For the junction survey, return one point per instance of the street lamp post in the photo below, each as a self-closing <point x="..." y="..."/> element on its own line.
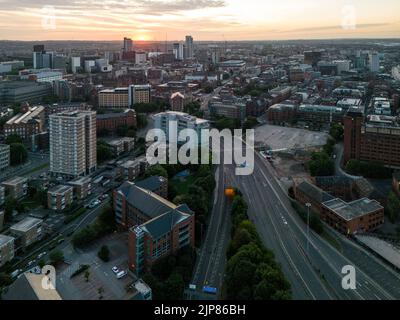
<point x="308" y="205"/>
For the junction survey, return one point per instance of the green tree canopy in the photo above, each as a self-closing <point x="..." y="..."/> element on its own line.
<point x="18" y="154"/>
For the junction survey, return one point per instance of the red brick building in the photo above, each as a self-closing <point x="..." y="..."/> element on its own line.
<point x="112" y="121"/>
<point x="363" y="215"/>
<point x="375" y="140"/>
<point x="157" y="227"/>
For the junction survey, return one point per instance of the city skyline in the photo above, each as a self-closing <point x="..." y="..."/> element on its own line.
<point x="206" y="20"/>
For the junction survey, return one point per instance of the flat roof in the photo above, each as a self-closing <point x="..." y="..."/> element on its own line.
<point x="5" y="239"/>
<point x="352" y="210"/>
<point x="15" y="180"/>
<point x="26" y="224"/>
<point x="60" y="189"/>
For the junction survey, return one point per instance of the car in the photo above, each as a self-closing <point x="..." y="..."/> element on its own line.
<point x="263" y="154"/>
<point x="115" y="270"/>
<point x="31" y="262"/>
<point x="40" y="255"/>
<point x="15" y="273"/>
<point x="121" y="274"/>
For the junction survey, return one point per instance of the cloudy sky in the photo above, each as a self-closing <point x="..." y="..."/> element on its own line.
<point x="204" y="19"/>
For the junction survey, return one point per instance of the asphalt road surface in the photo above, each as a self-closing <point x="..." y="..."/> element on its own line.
<point x="312" y="266"/>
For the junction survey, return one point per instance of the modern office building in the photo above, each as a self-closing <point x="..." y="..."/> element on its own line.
<point x="8" y="66"/>
<point x="4" y="156"/>
<point x="229" y="108"/>
<point x="41" y="58"/>
<point x="73" y="143"/>
<point x="140" y="57"/>
<point x="6" y="249"/>
<point x="42" y="75"/>
<point x="183" y="121"/>
<point x="128" y="45"/>
<point x="139" y="94"/>
<point x="189" y="47"/>
<point x="16" y="187"/>
<point x="14" y="92"/>
<point x="59" y="197"/>
<point x="75" y="64"/>
<point x="122" y="98"/>
<point x="27" y="123"/>
<point x="29" y="230"/>
<point x="179" y="51"/>
<point x="156" y="226"/>
<point x="113" y="98"/>
<point x="373" y="62"/>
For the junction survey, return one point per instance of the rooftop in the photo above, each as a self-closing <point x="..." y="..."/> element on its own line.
<point x="352" y="210"/>
<point x="313" y="192"/>
<point x="153" y="183"/>
<point x="26" y="224"/>
<point x="60" y="189"/>
<point x="27" y="116"/>
<point x="145" y="201"/>
<point x="5" y="239"/>
<point x="163" y="224"/>
<point x="15" y="180"/>
<point x="29" y="287"/>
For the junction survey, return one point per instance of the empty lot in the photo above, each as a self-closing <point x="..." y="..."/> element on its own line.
<point x="288" y="138"/>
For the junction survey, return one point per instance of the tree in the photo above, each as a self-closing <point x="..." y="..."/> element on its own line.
<point x="56" y="257"/>
<point x="321" y="165"/>
<point x="87" y="275"/>
<point x="41" y="263"/>
<point x="393" y="207"/>
<point x="104" y="254"/>
<point x="9" y="207"/>
<point x="104" y="151"/>
<point x="142" y="121"/>
<point x="18" y="154"/>
<point x="156" y="170"/>
<point x="100" y="291"/>
<point x="174" y="287"/>
<point x="337" y="131"/>
<point x="13" y="138"/>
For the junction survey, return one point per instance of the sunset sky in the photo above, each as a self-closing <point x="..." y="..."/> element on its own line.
<point x="204" y="19"/>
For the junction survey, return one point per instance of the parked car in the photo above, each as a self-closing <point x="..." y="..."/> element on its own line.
<point x="41" y="255"/>
<point x="115" y="270"/>
<point x="121" y="274"/>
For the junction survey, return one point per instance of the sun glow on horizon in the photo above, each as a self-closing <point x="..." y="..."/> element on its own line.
<point x="206" y="20"/>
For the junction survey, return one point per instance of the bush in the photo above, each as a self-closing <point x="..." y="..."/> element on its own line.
<point x="18" y="154"/>
<point x="104" y="254"/>
<point x="81" y="269"/>
<point x="56" y="257"/>
<point x="373" y="170"/>
<point x="321" y="165"/>
<point x="104" y="224"/>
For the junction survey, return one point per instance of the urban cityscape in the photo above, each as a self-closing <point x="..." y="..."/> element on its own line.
<point x="83" y="206"/>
